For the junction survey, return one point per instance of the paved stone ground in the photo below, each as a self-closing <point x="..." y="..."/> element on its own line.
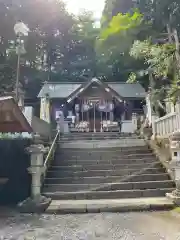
<point x="108" y="226"/>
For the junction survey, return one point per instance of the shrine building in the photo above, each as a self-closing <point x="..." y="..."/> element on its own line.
<point x="95" y="104"/>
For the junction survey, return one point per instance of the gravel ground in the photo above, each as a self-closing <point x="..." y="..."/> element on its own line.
<point x="115" y="226"/>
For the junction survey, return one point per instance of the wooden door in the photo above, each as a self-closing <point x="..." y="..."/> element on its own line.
<point x="94" y="121"/>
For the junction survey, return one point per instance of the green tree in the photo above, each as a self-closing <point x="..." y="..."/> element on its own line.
<point x="56" y="48"/>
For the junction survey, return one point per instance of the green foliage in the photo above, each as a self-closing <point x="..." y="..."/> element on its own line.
<point x="114" y="42"/>
<point x="151" y="40"/>
<point x="132" y="77"/>
<point x="121" y="23"/>
<point x="159" y="58"/>
<point x="59" y="47"/>
<point x="63" y="47"/>
<point x="15" y="136"/>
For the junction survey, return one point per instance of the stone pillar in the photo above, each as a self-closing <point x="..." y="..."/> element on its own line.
<point x="111" y="116"/>
<point x="149" y="108"/>
<point x="123" y="116"/>
<point x="134" y="121"/>
<point x="177" y="109"/>
<point x="175" y="167"/>
<point x="124" y="111"/>
<point x="94" y="107"/>
<point x="111" y="113"/>
<point x="21" y="95"/>
<point x="154" y="117"/>
<point x="36" y="202"/>
<point x="168" y="105"/>
<point x="45" y="109"/>
<point x="37" y="168"/>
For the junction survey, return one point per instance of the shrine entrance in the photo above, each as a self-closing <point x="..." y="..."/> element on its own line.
<point x="93" y="106"/>
<point x="94" y="120"/>
<point x="94" y="112"/>
<point x="93" y="115"/>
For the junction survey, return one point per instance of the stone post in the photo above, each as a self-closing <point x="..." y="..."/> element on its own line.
<point x="111" y="116"/>
<point x="134" y="121"/>
<point x="177" y="109"/>
<point x="154" y="117"/>
<point x="21" y="95"/>
<point x="175" y="167"/>
<point x="36" y="169"/>
<point x="149" y="108"/>
<point x="36" y="202"/>
<point x="45" y="109"/>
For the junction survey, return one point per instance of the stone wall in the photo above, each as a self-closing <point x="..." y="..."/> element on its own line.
<point x="161" y="147"/>
<point x="14" y="161"/>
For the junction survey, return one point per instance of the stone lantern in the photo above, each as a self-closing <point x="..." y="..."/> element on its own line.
<point x="36" y="203"/>
<point x="175" y="166"/>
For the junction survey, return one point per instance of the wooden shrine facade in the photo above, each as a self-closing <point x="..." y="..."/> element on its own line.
<point x="92" y="103"/>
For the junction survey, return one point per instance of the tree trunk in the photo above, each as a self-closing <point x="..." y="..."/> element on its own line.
<point x="169" y="33"/>
<point x="177" y="44"/>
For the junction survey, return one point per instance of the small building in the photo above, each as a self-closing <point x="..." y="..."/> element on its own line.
<point x="92" y="103"/>
<point x="12" y="120"/>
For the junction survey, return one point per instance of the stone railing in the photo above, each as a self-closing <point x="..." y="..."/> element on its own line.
<point x="165" y="126"/>
<point x="38" y="125"/>
<point x="41" y="127"/>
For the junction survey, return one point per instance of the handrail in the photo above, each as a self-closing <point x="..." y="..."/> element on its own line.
<point x="169" y="115"/>
<point x="51" y="149"/>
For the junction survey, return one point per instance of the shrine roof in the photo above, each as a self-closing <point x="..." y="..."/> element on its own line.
<point x="128" y="90"/>
<point x="58" y="90"/>
<point x="11" y="117"/>
<point x="64" y="90"/>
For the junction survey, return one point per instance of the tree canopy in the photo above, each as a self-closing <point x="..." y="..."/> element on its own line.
<point x="145" y="35"/>
<point x="59" y="47"/>
<point x="138" y="40"/>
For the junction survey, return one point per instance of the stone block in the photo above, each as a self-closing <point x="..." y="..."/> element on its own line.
<point x="68" y="208"/>
<point x="175" y="198"/>
<point x="36" y="205"/>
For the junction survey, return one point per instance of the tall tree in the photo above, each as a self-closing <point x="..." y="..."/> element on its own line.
<point x="59" y="47"/>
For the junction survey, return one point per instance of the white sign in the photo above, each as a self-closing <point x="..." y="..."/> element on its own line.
<point x="58" y="114"/>
<point x="177" y="173"/>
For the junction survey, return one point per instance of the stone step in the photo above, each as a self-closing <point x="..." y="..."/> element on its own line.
<point x="99" y="134"/>
<point x="102" y="152"/>
<point x="107" y="134"/>
<point x="101" y="144"/>
<point x="107" y="149"/>
<point x="92" y="173"/>
<point x="67" y="139"/>
<point x="109" y="186"/>
<point x="94" y="137"/>
<point x="58" y="161"/>
<point x="109" y="205"/>
<point x="102" y="167"/>
<point x="99" y="180"/>
<point x="109" y="194"/>
<point x="87" y="157"/>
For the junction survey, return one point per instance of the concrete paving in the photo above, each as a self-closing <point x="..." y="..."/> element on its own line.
<point x="107" y="226"/>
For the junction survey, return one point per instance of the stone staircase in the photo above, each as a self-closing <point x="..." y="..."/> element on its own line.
<point x="99" y="171"/>
<point x="95" y="136"/>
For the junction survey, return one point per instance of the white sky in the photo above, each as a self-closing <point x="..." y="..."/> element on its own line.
<point x="75" y="6"/>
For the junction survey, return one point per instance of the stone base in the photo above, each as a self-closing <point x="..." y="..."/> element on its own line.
<point x="36" y="205"/>
<point x="109" y="205"/>
<point x="174" y="197"/>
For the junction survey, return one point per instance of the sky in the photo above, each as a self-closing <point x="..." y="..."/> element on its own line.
<point x="75" y="6"/>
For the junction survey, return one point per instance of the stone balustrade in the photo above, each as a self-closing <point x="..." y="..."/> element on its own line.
<point x="167" y="125"/>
